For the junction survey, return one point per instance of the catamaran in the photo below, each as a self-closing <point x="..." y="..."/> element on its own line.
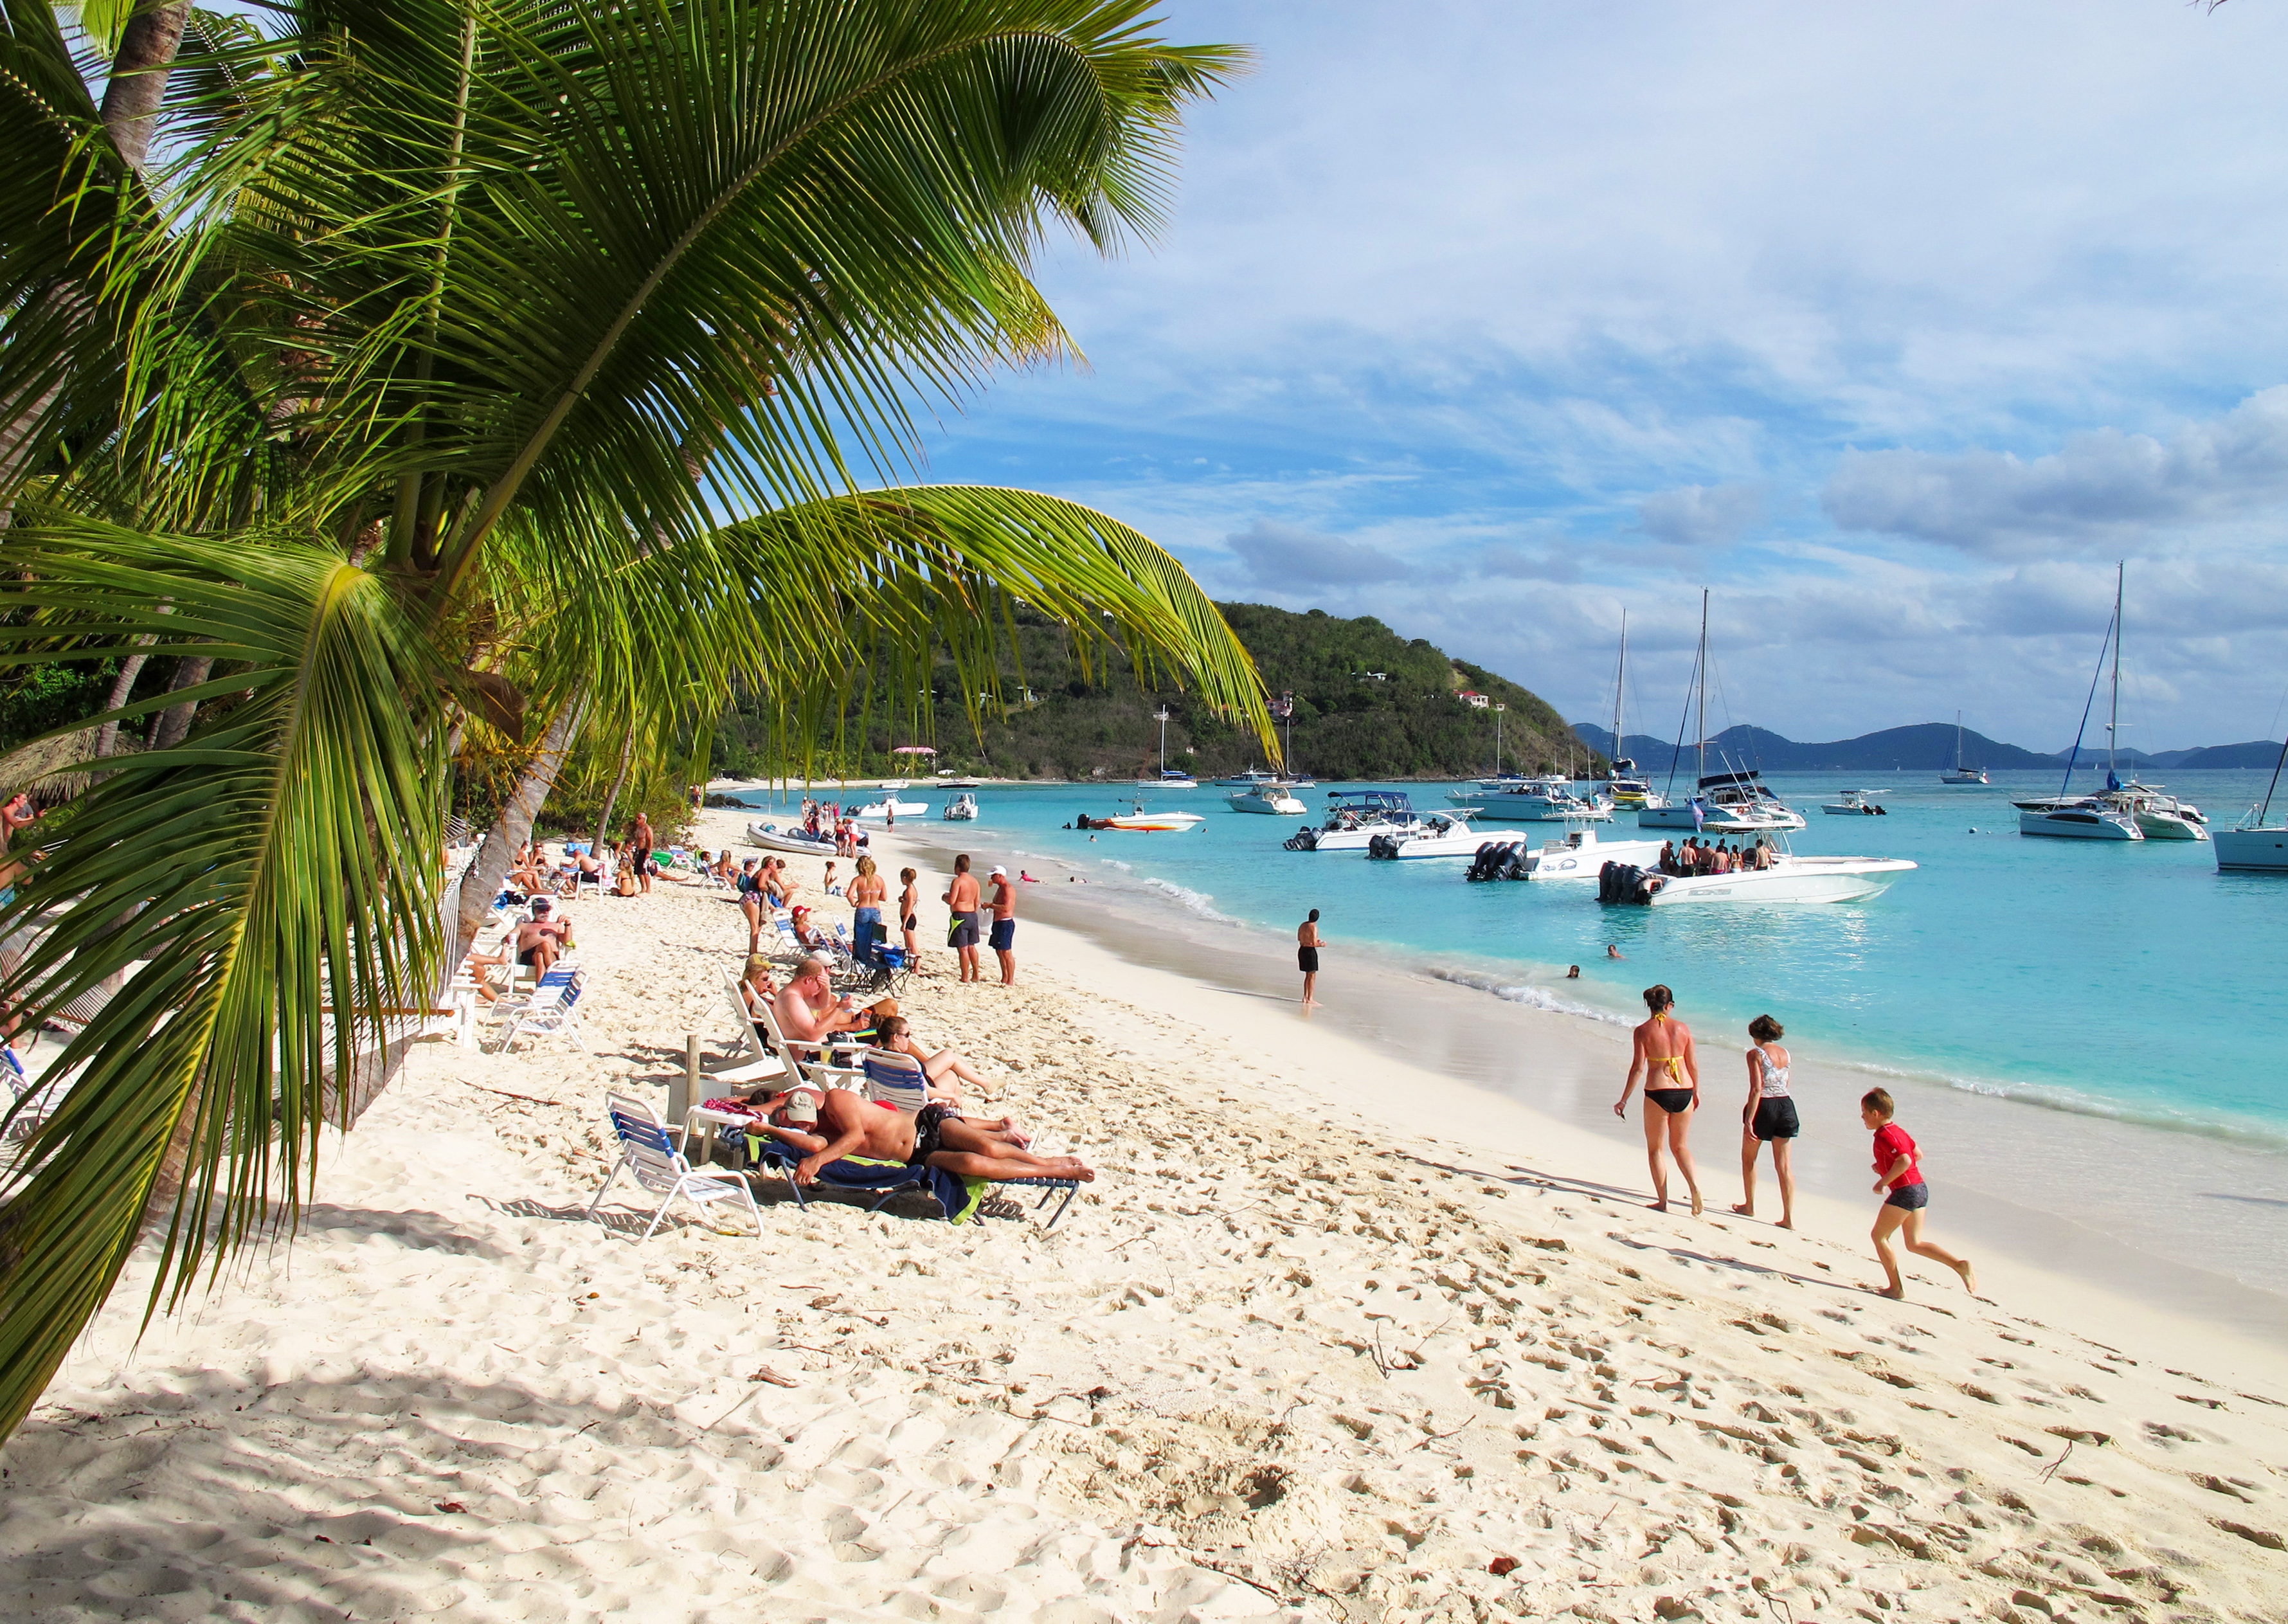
<point x="1725" y="802"/>
<point x="1961" y="773"/>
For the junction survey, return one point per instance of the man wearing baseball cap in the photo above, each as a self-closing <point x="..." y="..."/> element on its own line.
<point x="1004" y="939"/>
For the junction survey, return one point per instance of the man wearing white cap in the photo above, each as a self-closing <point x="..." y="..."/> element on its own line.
<point x="1004" y="940"/>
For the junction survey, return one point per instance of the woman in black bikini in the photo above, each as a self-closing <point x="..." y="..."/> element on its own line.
<point x="1664" y="1059"/>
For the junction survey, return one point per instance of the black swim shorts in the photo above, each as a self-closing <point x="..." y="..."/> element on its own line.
<point x="1775" y="1119"/>
<point x="928" y="1124"/>
<point x="1307" y="958"/>
<point x="1912" y="1198"/>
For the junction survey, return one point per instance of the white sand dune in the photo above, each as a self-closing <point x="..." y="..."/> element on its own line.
<point x="1283" y="1359"/>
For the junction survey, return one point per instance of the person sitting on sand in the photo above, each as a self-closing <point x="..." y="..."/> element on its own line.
<point x="524" y="874"/>
<point x="1898" y="1170"/>
<point x="936" y="1135"/>
<point x="893" y="1033"/>
<point x="542" y="939"/>
<point x="1662" y="1057"/>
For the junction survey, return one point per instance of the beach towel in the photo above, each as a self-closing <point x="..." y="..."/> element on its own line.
<point x="957" y="1194"/>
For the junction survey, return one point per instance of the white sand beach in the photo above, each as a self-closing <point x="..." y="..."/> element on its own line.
<point x="1331" y="1337"/>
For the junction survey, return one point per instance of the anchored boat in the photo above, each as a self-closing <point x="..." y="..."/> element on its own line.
<point x="1354" y="818"/>
<point x="1788" y="879"/>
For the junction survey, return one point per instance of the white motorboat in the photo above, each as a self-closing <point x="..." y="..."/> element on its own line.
<point x="1273" y="797"/>
<point x="1254" y="777"/>
<point x="2090" y="818"/>
<point x="1433" y="834"/>
<point x="960" y="809"/>
<point x="1725" y="802"/>
<point x="880" y="810"/>
<point x="1141" y="821"/>
<point x="1580" y="853"/>
<point x="789" y="836"/>
<point x="952" y="781"/>
<point x="1530" y="801"/>
<point x="1788" y="879"/>
<point x="2258" y="845"/>
<point x="1961" y="772"/>
<point x="1853" y="803"/>
<point x="1354" y="818"/>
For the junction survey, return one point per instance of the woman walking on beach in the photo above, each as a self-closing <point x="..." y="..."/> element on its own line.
<point x="1768" y="1118"/>
<point x="1663" y="1058"/>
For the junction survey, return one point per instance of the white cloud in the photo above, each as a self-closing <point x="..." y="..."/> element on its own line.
<point x="2101" y="489"/>
<point x="1700" y="516"/>
<point x="1280" y="555"/>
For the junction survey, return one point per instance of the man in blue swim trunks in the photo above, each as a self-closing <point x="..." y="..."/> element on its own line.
<point x="1004" y="940"/>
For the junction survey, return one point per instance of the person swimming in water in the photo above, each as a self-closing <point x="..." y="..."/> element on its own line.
<point x="1663" y="1058"/>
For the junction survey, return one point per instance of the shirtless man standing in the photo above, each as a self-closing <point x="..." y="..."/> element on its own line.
<point x="1005" y="925"/>
<point x="961" y="899"/>
<point x="1306" y="958"/>
<point x="936" y="1134"/>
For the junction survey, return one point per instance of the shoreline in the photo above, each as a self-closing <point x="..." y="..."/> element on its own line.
<point x="1585" y="1056"/>
<point x="1288" y="1359"/>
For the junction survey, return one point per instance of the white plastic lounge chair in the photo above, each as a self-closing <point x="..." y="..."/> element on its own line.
<point x="552" y="1011"/>
<point x="648" y="1152"/>
<point x="750" y="1065"/>
<point x="814" y="1061"/>
<point x="601" y="882"/>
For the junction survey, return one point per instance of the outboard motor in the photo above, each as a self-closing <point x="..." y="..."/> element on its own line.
<point x="1382" y="847"/>
<point x="1519" y="863"/>
<point x="1622" y="882"/>
<point x="1486" y="862"/>
<point x="1305" y="838"/>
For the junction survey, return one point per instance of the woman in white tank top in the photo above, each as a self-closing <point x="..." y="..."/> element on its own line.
<point x="1769" y="1118"/>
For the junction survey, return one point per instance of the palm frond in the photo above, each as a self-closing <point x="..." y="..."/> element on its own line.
<point x="266" y="895"/>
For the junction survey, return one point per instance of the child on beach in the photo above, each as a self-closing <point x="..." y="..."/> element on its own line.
<point x="1768" y="1117"/>
<point x="1898" y="1169"/>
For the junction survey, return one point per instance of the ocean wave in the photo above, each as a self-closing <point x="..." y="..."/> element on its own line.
<point x="1533" y="998"/>
<point x="2075" y="1102"/>
<point x="1193" y="902"/>
<point x="1125" y="868"/>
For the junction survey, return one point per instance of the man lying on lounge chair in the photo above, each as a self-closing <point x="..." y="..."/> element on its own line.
<point x="935" y="1136"/>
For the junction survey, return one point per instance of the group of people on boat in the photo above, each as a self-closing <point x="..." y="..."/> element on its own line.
<point x="1698" y="856"/>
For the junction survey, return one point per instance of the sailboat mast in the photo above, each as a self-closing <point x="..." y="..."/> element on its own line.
<point x="1620" y="682"/>
<point x="1700" y="728"/>
<point x="2113" y="727"/>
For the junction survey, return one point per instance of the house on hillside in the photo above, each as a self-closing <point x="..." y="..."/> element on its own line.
<point x="1475" y="700"/>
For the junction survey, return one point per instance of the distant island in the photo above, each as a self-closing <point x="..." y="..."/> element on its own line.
<point x="1924" y="746"/>
<point x="1368" y="704"/>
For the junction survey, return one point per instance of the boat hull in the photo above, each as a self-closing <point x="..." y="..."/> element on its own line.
<point x="1433" y="846"/>
<point x="1556" y="862"/>
<point x="1530" y="808"/>
<point x="2259" y="851"/>
<point x="772" y="837"/>
<point x="2169" y="826"/>
<point x="1719" y="820"/>
<point x="2069" y="824"/>
<point x="1150" y="822"/>
<point x="1277" y="803"/>
<point x="880" y="810"/>
<point x="1799" y="879"/>
<point x="1962" y="777"/>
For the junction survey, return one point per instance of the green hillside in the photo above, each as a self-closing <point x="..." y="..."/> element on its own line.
<point x="1369" y="704"/>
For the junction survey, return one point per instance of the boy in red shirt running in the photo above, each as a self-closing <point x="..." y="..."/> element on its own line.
<point x="1898" y="1169"/>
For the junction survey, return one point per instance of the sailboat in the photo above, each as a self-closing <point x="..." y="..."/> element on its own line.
<point x="1961" y="774"/>
<point x="1724" y="803"/>
<point x="1625" y="789"/>
<point x="2259" y="844"/>
<point x="1169" y="778"/>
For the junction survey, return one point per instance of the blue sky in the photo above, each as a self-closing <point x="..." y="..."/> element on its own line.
<point x="1894" y="326"/>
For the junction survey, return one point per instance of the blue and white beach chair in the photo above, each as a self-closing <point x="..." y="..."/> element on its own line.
<point x="647" y="1150"/>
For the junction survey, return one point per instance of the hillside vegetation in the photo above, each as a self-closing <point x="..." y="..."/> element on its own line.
<point x="1369" y="704"/>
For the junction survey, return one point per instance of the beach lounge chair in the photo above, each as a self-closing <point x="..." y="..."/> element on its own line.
<point x="601" y="882"/>
<point x="895" y="1079"/>
<point x="647" y="1151"/>
<point x="552" y="1011"/>
<point x="748" y="1065"/>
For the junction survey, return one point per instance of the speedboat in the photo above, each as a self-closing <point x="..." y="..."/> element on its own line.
<point x="1140" y="822"/>
<point x="1530" y="801"/>
<point x="1433" y="834"/>
<point x="949" y="781"/>
<point x="1578" y="855"/>
<point x="1853" y="803"/>
<point x="889" y="805"/>
<point x="1727" y="803"/>
<point x="960" y="809"/>
<point x="2089" y="818"/>
<point x="1354" y="818"/>
<point x="1788" y="879"/>
<point x="1270" y="796"/>
<point x="789" y="836"/>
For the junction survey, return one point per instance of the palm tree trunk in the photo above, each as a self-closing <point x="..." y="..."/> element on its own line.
<point x="175" y="721"/>
<point x="482" y="882"/>
<point x="627" y="754"/>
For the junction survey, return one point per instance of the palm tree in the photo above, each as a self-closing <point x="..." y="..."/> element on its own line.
<point x="479" y="372"/>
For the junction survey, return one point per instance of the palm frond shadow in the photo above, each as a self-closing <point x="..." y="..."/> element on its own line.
<point x="266" y="1456"/>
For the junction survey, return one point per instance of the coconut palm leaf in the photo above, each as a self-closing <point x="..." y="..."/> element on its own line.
<point x="266" y="891"/>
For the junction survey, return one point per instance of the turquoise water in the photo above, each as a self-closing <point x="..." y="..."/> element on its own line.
<point x="2124" y="980"/>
